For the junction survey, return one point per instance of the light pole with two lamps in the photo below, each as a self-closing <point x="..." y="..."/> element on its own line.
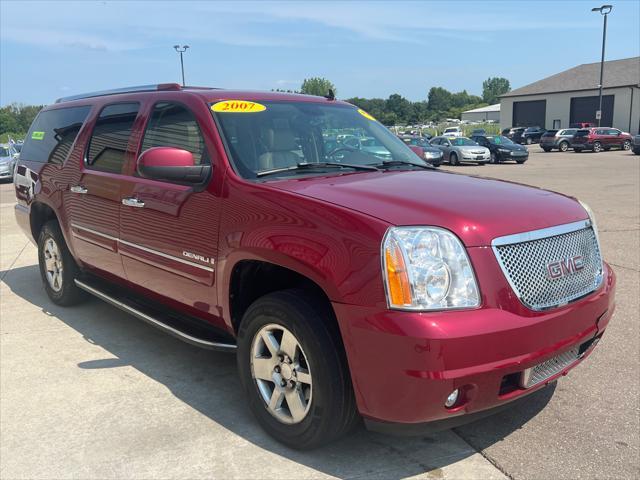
<point x="604" y="11"/>
<point x="181" y="50"/>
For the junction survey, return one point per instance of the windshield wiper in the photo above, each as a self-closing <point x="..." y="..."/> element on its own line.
<point x="393" y="163"/>
<point x="303" y="166"/>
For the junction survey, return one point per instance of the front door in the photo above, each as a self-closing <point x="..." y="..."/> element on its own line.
<point x="169" y="231"/>
<point x="92" y="201"/>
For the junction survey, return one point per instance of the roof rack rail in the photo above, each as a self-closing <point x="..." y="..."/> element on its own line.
<point x="115" y="91"/>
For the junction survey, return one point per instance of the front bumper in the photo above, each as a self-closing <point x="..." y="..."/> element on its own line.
<point x="484" y="158"/>
<point x="404" y="364"/>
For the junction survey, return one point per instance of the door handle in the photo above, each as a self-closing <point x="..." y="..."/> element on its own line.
<point x="79" y="189"/>
<point x="132" y="202"/>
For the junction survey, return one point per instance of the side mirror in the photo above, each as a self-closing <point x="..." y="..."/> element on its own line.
<point x="417" y="150"/>
<point x="172" y="164"/>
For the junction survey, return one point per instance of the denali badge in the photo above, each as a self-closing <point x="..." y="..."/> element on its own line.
<point x="564" y="267"/>
<point x="195" y="256"/>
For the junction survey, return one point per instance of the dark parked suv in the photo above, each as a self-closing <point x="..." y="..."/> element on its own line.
<point x="351" y="286"/>
<point x="601" y="138"/>
<point x="560" y="139"/>
<point x="532" y="135"/>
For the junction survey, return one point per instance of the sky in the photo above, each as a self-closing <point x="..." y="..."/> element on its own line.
<point x="367" y="49"/>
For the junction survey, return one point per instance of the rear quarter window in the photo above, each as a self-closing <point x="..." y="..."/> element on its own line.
<point x="53" y="133"/>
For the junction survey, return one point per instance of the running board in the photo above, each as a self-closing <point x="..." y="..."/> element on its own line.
<point x="170" y="326"/>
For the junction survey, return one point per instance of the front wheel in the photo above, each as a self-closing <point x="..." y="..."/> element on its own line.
<point x="293" y="370"/>
<point x="626" y="145"/>
<point x="494" y="158"/>
<point x="58" y="269"/>
<point x="453" y="159"/>
<point x="520" y="162"/>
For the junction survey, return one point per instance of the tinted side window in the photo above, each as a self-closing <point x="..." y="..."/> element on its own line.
<point x="435" y="141"/>
<point x="108" y="146"/>
<point x="613" y="131"/>
<point x="52" y="134"/>
<point x="173" y="125"/>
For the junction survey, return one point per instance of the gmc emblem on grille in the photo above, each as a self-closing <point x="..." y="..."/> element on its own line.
<point x="564" y="267"/>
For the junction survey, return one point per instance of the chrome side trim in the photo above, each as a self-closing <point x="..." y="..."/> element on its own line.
<point x="164" y="255"/>
<point x="539" y="234"/>
<point x="155" y="322"/>
<point x="100" y="234"/>
<point x="140" y="247"/>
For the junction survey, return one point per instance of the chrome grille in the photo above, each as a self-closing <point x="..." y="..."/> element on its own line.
<point x="549" y="368"/>
<point x="529" y="261"/>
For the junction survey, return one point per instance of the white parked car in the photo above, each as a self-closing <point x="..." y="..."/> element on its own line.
<point x="452" y="132"/>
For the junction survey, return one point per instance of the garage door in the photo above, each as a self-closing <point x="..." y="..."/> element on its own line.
<point x="529" y="114"/>
<point x="583" y="109"/>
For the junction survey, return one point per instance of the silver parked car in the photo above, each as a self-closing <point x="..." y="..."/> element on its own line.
<point x="461" y="149"/>
<point x="560" y="139"/>
<point x="8" y="156"/>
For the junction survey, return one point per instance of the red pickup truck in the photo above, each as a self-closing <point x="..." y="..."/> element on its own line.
<point x="351" y="283"/>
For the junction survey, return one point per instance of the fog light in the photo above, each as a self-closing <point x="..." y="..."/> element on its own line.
<point x="452" y="399"/>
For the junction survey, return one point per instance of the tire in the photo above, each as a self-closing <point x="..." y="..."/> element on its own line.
<point x="546" y="149"/>
<point x="453" y="159"/>
<point x="520" y="162"/>
<point x="328" y="397"/>
<point x="528" y="141"/>
<point x="494" y="158"/>
<point x="626" y="145"/>
<point x="597" y="147"/>
<point x="564" y="146"/>
<point x="58" y="269"/>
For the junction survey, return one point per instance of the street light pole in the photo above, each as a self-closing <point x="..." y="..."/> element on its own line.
<point x="181" y="50"/>
<point x="604" y="11"/>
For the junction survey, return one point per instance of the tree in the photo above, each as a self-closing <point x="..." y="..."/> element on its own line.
<point x="493" y="87"/>
<point x="439" y="99"/>
<point x="317" y="86"/>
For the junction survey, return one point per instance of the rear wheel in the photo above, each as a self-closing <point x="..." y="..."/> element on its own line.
<point x="58" y="269"/>
<point x="293" y="370"/>
<point x="564" y="146"/>
<point x="597" y="147"/>
<point x="626" y="145"/>
<point x="453" y="159"/>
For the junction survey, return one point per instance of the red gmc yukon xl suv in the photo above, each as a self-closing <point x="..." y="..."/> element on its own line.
<point x="351" y="283"/>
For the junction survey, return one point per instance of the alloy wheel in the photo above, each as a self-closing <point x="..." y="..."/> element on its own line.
<point x="53" y="264"/>
<point x="564" y="146"/>
<point x="282" y="374"/>
<point x="626" y="145"/>
<point x="597" y="147"/>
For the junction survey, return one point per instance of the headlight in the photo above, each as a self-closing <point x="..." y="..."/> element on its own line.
<point x="432" y="155"/>
<point x="427" y="268"/>
<point x="504" y="150"/>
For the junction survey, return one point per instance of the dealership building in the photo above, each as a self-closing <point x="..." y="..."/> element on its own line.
<point x="572" y="97"/>
<point x="482" y="114"/>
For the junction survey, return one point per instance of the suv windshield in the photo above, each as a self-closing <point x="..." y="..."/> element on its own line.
<point x="462" y="142"/>
<point x="277" y="135"/>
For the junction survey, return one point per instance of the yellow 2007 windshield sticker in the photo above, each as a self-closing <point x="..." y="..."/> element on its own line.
<point x="238" y="106"/>
<point x="365" y="114"/>
<point x="37" y="135"/>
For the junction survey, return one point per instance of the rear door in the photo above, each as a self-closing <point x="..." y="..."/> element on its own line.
<point x="169" y="231"/>
<point x="92" y="201"/>
<point x="614" y="138"/>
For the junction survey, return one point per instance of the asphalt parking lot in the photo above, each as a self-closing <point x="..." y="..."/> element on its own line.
<point x="90" y="392"/>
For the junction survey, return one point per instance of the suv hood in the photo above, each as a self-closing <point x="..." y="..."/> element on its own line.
<point x="476" y="209"/>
